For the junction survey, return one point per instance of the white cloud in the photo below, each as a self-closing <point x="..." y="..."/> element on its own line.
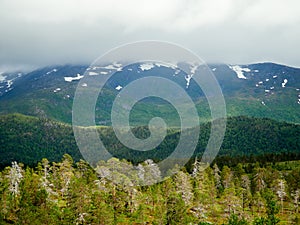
<point x="272" y="13"/>
<point x="60" y="31"/>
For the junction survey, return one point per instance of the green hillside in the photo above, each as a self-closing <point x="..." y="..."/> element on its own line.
<point x="46" y="94"/>
<point x="29" y="139"/>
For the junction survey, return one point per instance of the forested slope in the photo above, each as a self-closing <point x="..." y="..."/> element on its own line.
<point x="29" y="139"/>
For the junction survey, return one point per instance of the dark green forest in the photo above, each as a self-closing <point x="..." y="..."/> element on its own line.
<point x="29" y="139"/>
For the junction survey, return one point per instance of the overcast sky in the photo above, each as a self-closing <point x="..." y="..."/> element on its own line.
<point x="45" y="32"/>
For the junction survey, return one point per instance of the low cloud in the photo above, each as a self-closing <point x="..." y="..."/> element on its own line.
<point x="38" y="33"/>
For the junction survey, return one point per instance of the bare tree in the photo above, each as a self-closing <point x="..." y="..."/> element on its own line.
<point x="281" y="192"/>
<point x="184" y="187"/>
<point x="15" y="176"/>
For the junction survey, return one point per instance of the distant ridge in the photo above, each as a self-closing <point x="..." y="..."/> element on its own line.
<point x="259" y="90"/>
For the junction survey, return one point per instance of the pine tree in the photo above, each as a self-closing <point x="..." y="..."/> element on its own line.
<point x="258" y="201"/>
<point x="43" y="170"/>
<point x="176" y="210"/>
<point x="246" y="191"/>
<point x="66" y="172"/>
<point x="259" y="179"/>
<point x="296" y="196"/>
<point x="217" y="177"/>
<point x="226" y="177"/>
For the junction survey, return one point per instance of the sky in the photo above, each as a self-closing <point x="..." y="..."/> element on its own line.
<point x="36" y="33"/>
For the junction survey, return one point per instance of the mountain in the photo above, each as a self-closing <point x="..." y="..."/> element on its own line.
<point x="29" y="139"/>
<point x="259" y="90"/>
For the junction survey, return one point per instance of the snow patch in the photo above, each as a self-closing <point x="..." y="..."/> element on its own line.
<point x="165" y="65"/>
<point x="271" y="88"/>
<point x="114" y="66"/>
<point x="263" y="103"/>
<point x="117" y="64"/>
<point x="214" y="69"/>
<point x="146" y="66"/>
<point x="51" y="71"/>
<point x="275" y="76"/>
<point x="91" y="73"/>
<point x="284" y="83"/>
<point x="109" y="67"/>
<point x="193" y="69"/>
<point x="103" y="72"/>
<point x="239" y="71"/>
<point x="188" y="80"/>
<point x="119" y="87"/>
<point x="256" y="71"/>
<point x="267" y="79"/>
<point x="267" y="91"/>
<point x="70" y="79"/>
<point x="188" y="77"/>
<point x="9" y="89"/>
<point x="9" y="83"/>
<point x="260" y="82"/>
<point x="57" y="90"/>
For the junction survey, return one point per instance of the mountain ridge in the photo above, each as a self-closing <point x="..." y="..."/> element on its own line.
<point x="262" y="92"/>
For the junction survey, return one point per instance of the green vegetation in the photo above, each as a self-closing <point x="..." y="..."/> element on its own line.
<point x="73" y="193"/>
<point x="29" y="139"/>
<point x="278" y="107"/>
<point x="54" y="191"/>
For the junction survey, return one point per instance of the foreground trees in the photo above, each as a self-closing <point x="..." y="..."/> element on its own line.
<point x="74" y="193"/>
